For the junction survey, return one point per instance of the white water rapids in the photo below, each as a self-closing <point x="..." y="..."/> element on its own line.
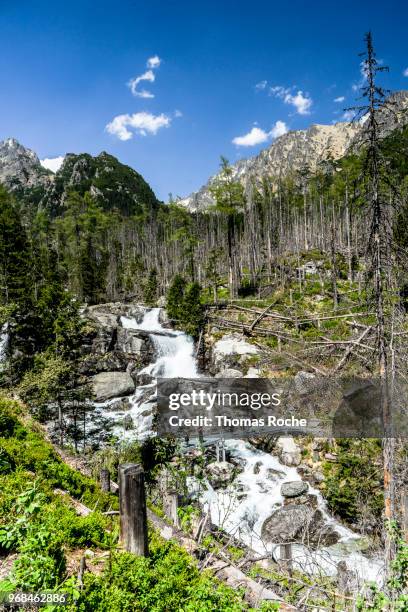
<point x="243" y="506"/>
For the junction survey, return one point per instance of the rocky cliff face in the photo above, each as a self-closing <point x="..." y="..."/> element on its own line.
<point x="303" y="149"/>
<point x="20" y="168"/>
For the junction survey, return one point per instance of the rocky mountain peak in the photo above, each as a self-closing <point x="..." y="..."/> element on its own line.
<point x="300" y="149"/>
<point x="20" y="167"/>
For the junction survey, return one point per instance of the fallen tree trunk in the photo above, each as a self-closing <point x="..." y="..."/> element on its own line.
<point x="225" y="571"/>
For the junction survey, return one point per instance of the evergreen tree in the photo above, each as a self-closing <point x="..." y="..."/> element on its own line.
<point x="192" y="310"/>
<point x="229" y="202"/>
<point x="150" y="288"/>
<point x="175" y="297"/>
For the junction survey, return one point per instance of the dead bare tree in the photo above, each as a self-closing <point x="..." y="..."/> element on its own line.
<point x="379" y="252"/>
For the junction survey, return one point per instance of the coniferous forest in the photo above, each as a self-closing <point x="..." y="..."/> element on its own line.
<point x="298" y="275"/>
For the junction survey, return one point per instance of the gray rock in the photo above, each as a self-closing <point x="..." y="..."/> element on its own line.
<point x="20" y="167"/>
<point x="288" y="451"/>
<point x="121" y="405"/>
<point x="298" y="523"/>
<point x="108" y="362"/>
<point x="129" y="341"/>
<point x="220" y="473"/>
<point x="318" y="477"/>
<point x="294" y="489"/>
<point x="229" y="373"/>
<point x="128" y="423"/>
<point x="107" y="385"/>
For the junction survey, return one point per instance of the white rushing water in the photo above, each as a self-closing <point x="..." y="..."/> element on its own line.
<point x="4" y="340"/>
<point x="174" y="359"/>
<point x="242" y="507"/>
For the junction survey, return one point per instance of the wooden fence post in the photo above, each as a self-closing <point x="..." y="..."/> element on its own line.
<point x="132" y="503"/>
<point x="404" y="509"/>
<point x="172" y="507"/>
<point x="104" y="479"/>
<point x="285" y="556"/>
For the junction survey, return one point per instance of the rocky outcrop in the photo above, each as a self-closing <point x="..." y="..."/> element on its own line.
<point x="20" y="167"/>
<point x="298" y="523"/>
<point x="229" y="354"/>
<point x="288" y="451"/>
<point x="220" y="473"/>
<point x="294" y="489"/>
<point x="110" y="344"/>
<point x="107" y="385"/>
<point x="111" y="184"/>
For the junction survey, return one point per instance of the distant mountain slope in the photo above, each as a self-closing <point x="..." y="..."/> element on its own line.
<point x="112" y="184"/>
<point x="303" y="149"/>
<point x="20" y="167"/>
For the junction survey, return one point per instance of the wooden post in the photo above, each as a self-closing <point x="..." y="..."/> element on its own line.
<point x="172" y="507"/>
<point x="285" y="556"/>
<point x="132" y="503"/>
<point x="223" y="456"/>
<point x="104" y="479"/>
<point x="404" y="509"/>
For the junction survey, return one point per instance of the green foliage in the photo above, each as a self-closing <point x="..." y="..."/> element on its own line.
<point x="184" y="306"/>
<point x="167" y="580"/>
<point x="150" y="288"/>
<point x="394" y="595"/>
<point x="14" y="253"/>
<point x="353" y="487"/>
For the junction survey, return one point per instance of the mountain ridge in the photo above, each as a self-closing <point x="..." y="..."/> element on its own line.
<point x="300" y="149"/>
<point x="111" y="183"/>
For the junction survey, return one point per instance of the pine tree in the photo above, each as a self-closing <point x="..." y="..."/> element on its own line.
<point x="175" y="297"/>
<point x="150" y="288"/>
<point x="192" y="317"/>
<point x="229" y="201"/>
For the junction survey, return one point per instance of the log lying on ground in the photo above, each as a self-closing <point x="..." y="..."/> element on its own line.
<point x="227" y="572"/>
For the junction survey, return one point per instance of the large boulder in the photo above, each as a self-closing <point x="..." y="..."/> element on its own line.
<point x="108" y="362"/>
<point x="298" y="523"/>
<point x="220" y="473"/>
<point x="107" y="385"/>
<point x="231" y="351"/>
<point x="295" y="488"/>
<point x="288" y="451"/>
<point x="130" y="341"/>
<point x="229" y="373"/>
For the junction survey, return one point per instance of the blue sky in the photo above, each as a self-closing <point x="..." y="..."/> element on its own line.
<point x="68" y="69"/>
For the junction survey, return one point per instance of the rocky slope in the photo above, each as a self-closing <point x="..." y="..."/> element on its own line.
<point x="303" y="149"/>
<point x="20" y="168"/>
<point x="112" y="184"/>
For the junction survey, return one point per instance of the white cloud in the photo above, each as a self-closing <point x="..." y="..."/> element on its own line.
<point x="339" y="99"/>
<point x="261" y="85"/>
<point x="301" y="102"/>
<point x="52" y="163"/>
<point x="153" y="62"/>
<point x="405" y="72"/>
<point x="279" y="129"/>
<point x="178" y="113"/>
<point x="257" y="135"/>
<point x="133" y="83"/>
<point x="142" y="123"/>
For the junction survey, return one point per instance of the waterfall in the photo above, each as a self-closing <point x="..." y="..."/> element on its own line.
<point x="4" y="340"/>
<point x="242" y="507"/>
